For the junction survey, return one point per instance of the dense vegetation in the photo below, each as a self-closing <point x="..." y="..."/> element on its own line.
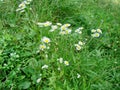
<point x="60" y="44"/>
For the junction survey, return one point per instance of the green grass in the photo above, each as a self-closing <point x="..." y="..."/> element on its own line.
<point x="97" y="63"/>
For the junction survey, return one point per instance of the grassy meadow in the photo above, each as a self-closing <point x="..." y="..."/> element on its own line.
<point x="60" y="44"/>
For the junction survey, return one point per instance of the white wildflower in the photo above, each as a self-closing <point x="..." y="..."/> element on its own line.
<point x="48" y="23"/>
<point x="115" y="49"/>
<point x="44" y="66"/>
<point x="93" y="30"/>
<point x="99" y="31"/>
<point x="80" y="43"/>
<point x="59" y="68"/>
<point x="40" y="75"/>
<point x="96" y="35"/>
<point x="79" y="30"/>
<point x="46" y="56"/>
<point x="78" y="47"/>
<point x="60" y="60"/>
<point x="14" y="55"/>
<point x="38" y="80"/>
<point x="23" y="5"/>
<point x="68" y="31"/>
<point x="62" y="33"/>
<point x="67" y="25"/>
<point x="59" y="24"/>
<point x="5" y="64"/>
<point x="46" y="40"/>
<point x="40" y="24"/>
<point x="66" y="63"/>
<point x="53" y="28"/>
<point x="42" y="47"/>
<point x="26" y="2"/>
<point x="48" y="47"/>
<point x="64" y="27"/>
<point x="78" y="75"/>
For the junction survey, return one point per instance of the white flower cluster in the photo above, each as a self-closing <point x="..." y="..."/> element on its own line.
<point x="96" y="33"/>
<point x="62" y="61"/>
<point x="14" y="55"/>
<point x="23" y="5"/>
<point x="45" y="43"/>
<point x="53" y="28"/>
<point x="47" y="24"/>
<point x="44" y="24"/>
<point x="79" y="45"/>
<point x="64" y="29"/>
<point x="79" y="30"/>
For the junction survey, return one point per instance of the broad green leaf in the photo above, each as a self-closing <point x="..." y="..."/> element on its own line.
<point x="24" y="85"/>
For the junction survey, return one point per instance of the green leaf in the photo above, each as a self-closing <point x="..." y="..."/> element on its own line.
<point x="34" y="78"/>
<point x="24" y="85"/>
<point x="12" y="74"/>
<point x="33" y="63"/>
<point x="28" y="70"/>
